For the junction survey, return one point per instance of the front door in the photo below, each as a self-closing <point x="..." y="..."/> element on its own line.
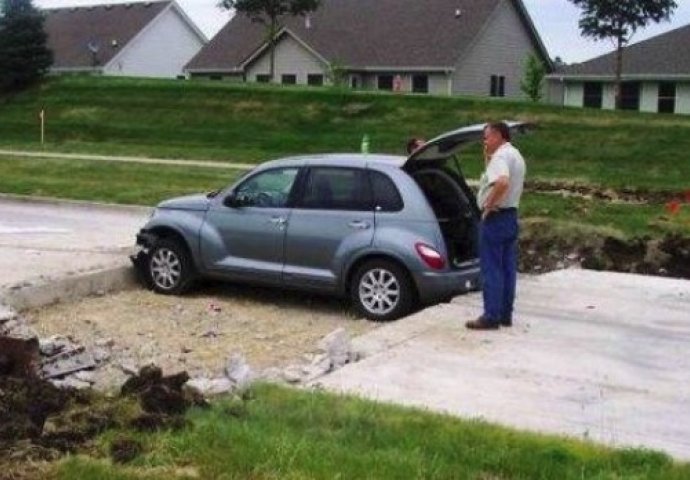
<point x="244" y="238"/>
<point x="331" y="220"/>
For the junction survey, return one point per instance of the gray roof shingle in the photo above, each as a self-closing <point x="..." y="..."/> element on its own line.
<point x="365" y="33"/>
<point x="107" y="27"/>
<point x="667" y="54"/>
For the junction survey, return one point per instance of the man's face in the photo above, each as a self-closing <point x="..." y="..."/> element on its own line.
<point x="492" y="140"/>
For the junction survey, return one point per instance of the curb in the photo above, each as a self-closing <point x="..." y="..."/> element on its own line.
<point x="52" y="291"/>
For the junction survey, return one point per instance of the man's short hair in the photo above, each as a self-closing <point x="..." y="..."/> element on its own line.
<point x="413" y="144"/>
<point x="502" y="128"/>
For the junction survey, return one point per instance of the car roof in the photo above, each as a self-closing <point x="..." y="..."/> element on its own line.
<point x="338" y="160"/>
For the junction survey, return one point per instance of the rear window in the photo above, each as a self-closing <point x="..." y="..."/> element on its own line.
<point x="336" y="188"/>
<point x="386" y="195"/>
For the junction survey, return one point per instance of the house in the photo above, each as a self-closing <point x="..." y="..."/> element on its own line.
<point x="475" y="47"/>
<point x="656" y="77"/>
<point x="152" y="39"/>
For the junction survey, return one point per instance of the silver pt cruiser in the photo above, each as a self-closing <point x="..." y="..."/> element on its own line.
<point x="388" y="232"/>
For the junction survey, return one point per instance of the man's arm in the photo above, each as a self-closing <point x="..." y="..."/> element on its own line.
<point x="498" y="192"/>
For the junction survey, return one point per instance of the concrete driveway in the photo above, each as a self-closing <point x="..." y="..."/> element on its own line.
<point x="42" y="240"/>
<point x="594" y="355"/>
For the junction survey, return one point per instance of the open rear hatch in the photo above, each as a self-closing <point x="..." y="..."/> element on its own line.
<point x="436" y="168"/>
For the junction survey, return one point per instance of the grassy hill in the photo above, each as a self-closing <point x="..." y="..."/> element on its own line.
<point x="243" y="123"/>
<point x="604" y="152"/>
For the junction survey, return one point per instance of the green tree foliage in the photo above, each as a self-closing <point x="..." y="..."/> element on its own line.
<point x="532" y="83"/>
<point x="618" y="20"/>
<point x="24" y="55"/>
<point x="269" y="13"/>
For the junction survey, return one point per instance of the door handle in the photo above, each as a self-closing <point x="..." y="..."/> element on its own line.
<point x="278" y="221"/>
<point x="358" y="225"/>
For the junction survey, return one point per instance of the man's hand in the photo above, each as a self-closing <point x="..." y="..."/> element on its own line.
<point x="498" y="191"/>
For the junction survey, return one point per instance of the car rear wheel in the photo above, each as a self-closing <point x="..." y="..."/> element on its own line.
<point x="170" y="267"/>
<point x="381" y="290"/>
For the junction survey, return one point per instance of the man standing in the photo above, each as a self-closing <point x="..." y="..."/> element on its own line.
<point x="499" y="194"/>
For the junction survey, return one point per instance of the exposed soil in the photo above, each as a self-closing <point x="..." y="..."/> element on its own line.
<point x="197" y="333"/>
<point x="616" y="195"/>
<point x="544" y="249"/>
<point x="39" y="422"/>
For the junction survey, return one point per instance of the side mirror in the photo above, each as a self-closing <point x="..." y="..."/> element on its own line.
<point x="233" y="201"/>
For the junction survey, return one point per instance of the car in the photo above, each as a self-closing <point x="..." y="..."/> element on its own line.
<point x="389" y="232"/>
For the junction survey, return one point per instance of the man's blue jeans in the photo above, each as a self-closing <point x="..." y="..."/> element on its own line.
<point x="498" y="256"/>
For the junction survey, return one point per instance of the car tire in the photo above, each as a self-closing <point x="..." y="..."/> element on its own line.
<point x="381" y="290"/>
<point x="169" y="268"/>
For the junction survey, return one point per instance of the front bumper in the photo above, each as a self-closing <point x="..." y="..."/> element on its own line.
<point x="440" y="286"/>
<point x="145" y="241"/>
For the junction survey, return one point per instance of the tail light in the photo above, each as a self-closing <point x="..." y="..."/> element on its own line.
<point x="431" y="256"/>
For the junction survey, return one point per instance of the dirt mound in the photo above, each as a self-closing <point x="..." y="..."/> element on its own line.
<point x="546" y="249"/>
<point x="622" y="195"/>
<point x="39" y="421"/>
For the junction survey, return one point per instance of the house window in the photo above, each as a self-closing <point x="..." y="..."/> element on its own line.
<point x="667" y="97"/>
<point x="263" y="78"/>
<point x="630" y="96"/>
<point x="354" y="83"/>
<point x="385" y="82"/>
<point x="289" y="79"/>
<point x="498" y="86"/>
<point x="420" y="83"/>
<point x="315" y="79"/>
<point x="593" y="95"/>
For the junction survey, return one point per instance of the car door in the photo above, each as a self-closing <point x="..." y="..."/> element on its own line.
<point x="243" y="236"/>
<point x="332" y="218"/>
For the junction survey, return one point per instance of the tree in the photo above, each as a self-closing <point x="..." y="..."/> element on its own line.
<point x="532" y="83"/>
<point x="268" y="13"/>
<point x="24" y="55"/>
<point x="618" y="20"/>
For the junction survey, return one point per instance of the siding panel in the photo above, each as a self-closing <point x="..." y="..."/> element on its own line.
<point x="291" y="58"/>
<point x="501" y="49"/>
<point x="683" y="98"/>
<point x="162" y="50"/>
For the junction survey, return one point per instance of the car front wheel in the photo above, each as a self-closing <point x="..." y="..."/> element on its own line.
<point x="170" y="267"/>
<point x="381" y="290"/>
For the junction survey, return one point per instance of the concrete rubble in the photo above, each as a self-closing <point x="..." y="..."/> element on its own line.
<point x="333" y="352"/>
<point x="56" y="359"/>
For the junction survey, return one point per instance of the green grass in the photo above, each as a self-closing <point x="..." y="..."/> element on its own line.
<point x="246" y="123"/>
<point x="141" y="184"/>
<point x="291" y="434"/>
<point x="110" y="182"/>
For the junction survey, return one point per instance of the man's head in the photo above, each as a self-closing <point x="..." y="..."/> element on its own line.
<point x="495" y="135"/>
<point x="413" y="144"/>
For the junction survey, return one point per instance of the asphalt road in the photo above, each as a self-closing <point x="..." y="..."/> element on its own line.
<point x="44" y="240"/>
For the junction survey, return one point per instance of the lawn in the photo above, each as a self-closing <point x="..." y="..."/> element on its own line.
<point x="290" y="434"/>
<point x="248" y="124"/>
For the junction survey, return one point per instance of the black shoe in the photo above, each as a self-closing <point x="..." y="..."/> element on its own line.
<point x="507" y="322"/>
<point x="481" y="324"/>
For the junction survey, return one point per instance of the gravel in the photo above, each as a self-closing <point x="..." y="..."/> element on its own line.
<point x="197" y="332"/>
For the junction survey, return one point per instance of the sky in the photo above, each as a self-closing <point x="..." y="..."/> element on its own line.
<point x="556" y="21"/>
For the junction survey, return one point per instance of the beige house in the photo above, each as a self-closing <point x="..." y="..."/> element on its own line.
<point x="656" y="77"/>
<point x="140" y="39"/>
<point x="447" y="47"/>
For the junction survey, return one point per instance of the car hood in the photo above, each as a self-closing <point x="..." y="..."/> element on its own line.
<point x="188" y="202"/>
<point x="448" y="144"/>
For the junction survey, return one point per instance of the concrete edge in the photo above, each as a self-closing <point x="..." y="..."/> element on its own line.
<point x="52" y="291"/>
<point x="76" y="203"/>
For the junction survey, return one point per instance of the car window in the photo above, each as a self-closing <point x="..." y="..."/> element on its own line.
<point x="386" y="195"/>
<point x="270" y="189"/>
<point x="329" y="188"/>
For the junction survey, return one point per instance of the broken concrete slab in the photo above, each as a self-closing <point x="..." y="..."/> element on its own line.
<point x="595" y="355"/>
